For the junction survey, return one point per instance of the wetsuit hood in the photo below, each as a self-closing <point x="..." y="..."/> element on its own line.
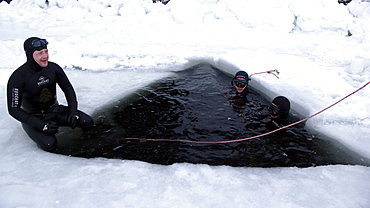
<point x="284" y="106"/>
<point x="29" y="53"/>
<point x="242" y="74"/>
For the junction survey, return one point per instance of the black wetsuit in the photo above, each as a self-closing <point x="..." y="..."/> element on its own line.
<point x="32" y="100"/>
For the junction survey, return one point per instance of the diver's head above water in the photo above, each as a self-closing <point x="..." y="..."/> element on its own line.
<point x="240" y="82"/>
<point x="279" y="108"/>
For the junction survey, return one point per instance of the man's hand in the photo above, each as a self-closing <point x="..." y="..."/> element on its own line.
<point x="73" y="119"/>
<point x="50" y="128"/>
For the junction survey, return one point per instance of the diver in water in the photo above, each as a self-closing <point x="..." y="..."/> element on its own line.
<point x="32" y="97"/>
<point x="279" y="108"/>
<point x="279" y="112"/>
<point x="240" y="84"/>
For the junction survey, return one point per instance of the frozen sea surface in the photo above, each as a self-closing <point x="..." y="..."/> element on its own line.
<point x="111" y="49"/>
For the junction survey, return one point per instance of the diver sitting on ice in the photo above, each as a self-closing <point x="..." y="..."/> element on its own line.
<point x="32" y="97"/>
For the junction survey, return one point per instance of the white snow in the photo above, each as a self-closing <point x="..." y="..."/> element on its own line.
<point x="109" y="48"/>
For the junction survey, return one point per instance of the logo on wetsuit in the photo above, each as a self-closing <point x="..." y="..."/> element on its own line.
<point x="42" y="81"/>
<point x="15" y="97"/>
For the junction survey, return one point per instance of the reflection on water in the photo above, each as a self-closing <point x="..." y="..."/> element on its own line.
<point x="197" y="104"/>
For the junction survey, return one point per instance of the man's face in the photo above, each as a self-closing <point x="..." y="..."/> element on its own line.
<point x="240" y="84"/>
<point x="274" y="111"/>
<point x="41" y="57"/>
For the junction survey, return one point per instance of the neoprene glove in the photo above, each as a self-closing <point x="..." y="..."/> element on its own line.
<point x="73" y="118"/>
<point x="50" y="128"/>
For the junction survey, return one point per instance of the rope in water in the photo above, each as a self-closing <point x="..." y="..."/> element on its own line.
<point x="249" y="138"/>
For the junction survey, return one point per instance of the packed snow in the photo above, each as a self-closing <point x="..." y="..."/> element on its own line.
<point x="110" y="48"/>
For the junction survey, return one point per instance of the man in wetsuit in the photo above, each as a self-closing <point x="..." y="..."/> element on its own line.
<point x="279" y="112"/>
<point x="240" y="84"/>
<point x="32" y="97"/>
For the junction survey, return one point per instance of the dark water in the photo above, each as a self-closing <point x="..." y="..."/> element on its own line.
<point x="198" y="104"/>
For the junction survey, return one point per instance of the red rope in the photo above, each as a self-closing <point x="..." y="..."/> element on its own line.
<point x="274" y="72"/>
<point x="249" y="138"/>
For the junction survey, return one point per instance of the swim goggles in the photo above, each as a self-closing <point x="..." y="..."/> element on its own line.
<point x="38" y="44"/>
<point x="274" y="110"/>
<point x="240" y="83"/>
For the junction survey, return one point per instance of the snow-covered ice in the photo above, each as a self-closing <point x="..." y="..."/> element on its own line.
<point x="110" y="48"/>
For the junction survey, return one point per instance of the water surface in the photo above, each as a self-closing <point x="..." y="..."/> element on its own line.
<point x="198" y="104"/>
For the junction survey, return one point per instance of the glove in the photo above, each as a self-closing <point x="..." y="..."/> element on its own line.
<point x="50" y="128"/>
<point x="73" y="119"/>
